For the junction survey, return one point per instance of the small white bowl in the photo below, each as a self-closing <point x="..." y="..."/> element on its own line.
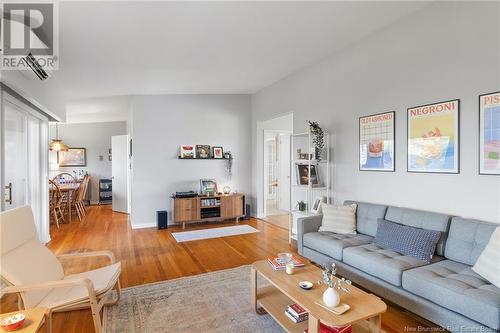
<point x="306" y="285"/>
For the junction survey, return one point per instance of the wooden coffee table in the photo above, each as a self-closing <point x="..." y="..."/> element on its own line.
<point x="364" y="314"/>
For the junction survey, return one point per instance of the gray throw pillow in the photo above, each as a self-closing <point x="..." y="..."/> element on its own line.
<point x="410" y="241"/>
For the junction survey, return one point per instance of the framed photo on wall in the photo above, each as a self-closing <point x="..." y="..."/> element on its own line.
<point x="489" y="134"/>
<point x="217" y="152"/>
<point x="73" y="157"/>
<point x="187" y="151"/>
<point x="434" y="138"/>
<point x="203" y="151"/>
<point x="377" y="141"/>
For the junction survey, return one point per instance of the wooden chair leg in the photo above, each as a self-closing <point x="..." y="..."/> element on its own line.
<point x="94" y="308"/>
<point x="49" y="322"/>
<point x="54" y="214"/>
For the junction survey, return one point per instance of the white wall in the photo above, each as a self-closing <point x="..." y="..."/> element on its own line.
<point x="448" y="50"/>
<point x="160" y="124"/>
<point x="96" y="138"/>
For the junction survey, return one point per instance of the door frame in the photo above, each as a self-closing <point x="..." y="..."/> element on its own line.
<point x="264" y="187"/>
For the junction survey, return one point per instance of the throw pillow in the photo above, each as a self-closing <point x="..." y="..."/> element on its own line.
<point x="410" y="241"/>
<point x="488" y="263"/>
<point x="339" y="219"/>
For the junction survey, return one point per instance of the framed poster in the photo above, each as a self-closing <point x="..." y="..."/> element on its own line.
<point x="489" y="134"/>
<point x="73" y="157"/>
<point x="376" y="142"/>
<point x="203" y="151"/>
<point x="434" y="138"/>
<point x="187" y="151"/>
<point x="208" y="186"/>
<point x="303" y="174"/>
<point x="217" y="152"/>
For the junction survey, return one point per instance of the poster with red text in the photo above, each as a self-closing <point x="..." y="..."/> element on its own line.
<point x="376" y="142"/>
<point x="489" y="134"/>
<point x="433" y="137"/>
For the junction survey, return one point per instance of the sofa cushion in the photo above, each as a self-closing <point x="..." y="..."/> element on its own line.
<point x="456" y="287"/>
<point x="488" y="263"/>
<point x="338" y="219"/>
<point x="385" y="264"/>
<point x="333" y="244"/>
<point x="367" y="215"/>
<point x="421" y="219"/>
<point x="467" y="239"/>
<point x="415" y="242"/>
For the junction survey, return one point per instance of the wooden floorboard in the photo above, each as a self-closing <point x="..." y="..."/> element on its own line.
<point x="150" y="255"/>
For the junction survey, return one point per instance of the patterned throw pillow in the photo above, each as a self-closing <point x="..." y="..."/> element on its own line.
<point x="410" y="241"/>
<point x="339" y="219"/>
<point x="488" y="263"/>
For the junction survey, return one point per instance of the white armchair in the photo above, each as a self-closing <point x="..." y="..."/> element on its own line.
<point x="36" y="274"/>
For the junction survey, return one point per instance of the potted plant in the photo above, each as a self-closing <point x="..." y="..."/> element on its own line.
<point x="302" y="205"/>
<point x="318" y="139"/>
<point x="331" y="297"/>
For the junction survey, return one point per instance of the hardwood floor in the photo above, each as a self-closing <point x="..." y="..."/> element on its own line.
<point x="150" y="255"/>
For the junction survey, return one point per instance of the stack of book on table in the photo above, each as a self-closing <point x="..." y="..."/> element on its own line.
<point x="296" y="313"/>
<point x="330" y="329"/>
<point x="278" y="265"/>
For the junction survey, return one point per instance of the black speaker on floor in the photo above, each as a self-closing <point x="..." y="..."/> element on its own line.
<point x="162" y="219"/>
<point x="247" y="212"/>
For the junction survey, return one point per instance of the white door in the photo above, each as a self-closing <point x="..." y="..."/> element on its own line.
<point x="15" y="157"/>
<point x="119" y="170"/>
<point x="284" y="172"/>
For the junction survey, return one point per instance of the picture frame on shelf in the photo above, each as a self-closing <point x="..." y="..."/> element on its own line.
<point x="433" y="138"/>
<point x="377" y="142"/>
<point x="187" y="151"/>
<point x="316" y="206"/>
<point x="208" y="187"/>
<point x="203" y="151"/>
<point x="217" y="152"/>
<point x="302" y="173"/>
<point x="73" y="157"/>
<point x="489" y="134"/>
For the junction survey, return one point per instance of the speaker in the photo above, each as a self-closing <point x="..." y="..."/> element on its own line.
<point x="162" y="219"/>
<point x="247" y="212"/>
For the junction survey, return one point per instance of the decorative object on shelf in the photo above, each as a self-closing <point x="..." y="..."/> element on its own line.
<point x="203" y="151"/>
<point x="226" y="190"/>
<point x="376" y="142"/>
<point x="317" y="204"/>
<point x="433" y="137"/>
<point x="302" y="205"/>
<point x="73" y="157"/>
<point x="217" y="152"/>
<point x="208" y="186"/>
<point x="57" y="144"/>
<point x="318" y="139"/>
<point x="229" y="164"/>
<point x="489" y="134"/>
<point x="304" y="175"/>
<point x="110" y="155"/>
<point x="331" y="297"/>
<point x="187" y="151"/>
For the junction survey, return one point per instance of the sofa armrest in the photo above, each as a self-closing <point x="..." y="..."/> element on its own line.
<point x="305" y="225"/>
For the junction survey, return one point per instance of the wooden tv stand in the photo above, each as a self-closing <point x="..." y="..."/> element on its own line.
<point x="198" y="209"/>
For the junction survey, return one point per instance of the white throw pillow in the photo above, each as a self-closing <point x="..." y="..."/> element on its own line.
<point x="488" y="263"/>
<point x="339" y="219"/>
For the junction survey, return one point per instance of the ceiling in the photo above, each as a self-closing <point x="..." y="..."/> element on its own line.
<point x="125" y="48"/>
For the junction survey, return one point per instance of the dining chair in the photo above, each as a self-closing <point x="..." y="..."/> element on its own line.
<point x="32" y="271"/>
<point x="64" y="178"/>
<point x="55" y="202"/>
<point x="79" y="202"/>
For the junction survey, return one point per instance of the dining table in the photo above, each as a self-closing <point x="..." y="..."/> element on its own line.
<point x="69" y="189"/>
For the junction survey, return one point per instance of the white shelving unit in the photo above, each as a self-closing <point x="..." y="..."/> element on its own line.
<point x="304" y="188"/>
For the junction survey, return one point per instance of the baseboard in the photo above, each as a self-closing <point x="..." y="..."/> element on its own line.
<point x="144" y="225"/>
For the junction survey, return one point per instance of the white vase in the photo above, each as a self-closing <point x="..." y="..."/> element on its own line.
<point x="331" y="297"/>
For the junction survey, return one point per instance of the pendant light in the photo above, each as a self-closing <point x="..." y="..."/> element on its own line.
<point x="56" y="144"/>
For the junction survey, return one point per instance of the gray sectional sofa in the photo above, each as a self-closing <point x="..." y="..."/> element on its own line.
<point x="446" y="292"/>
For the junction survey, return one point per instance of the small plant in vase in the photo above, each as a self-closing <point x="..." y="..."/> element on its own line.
<point x="318" y="139"/>
<point x="331" y="296"/>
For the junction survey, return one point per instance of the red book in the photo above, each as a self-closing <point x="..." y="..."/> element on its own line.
<point x="297" y="310"/>
<point x="329" y="329"/>
<point x="277" y="266"/>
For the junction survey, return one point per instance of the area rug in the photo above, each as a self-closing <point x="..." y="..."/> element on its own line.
<point x="207" y="303"/>
<point x="187" y="236"/>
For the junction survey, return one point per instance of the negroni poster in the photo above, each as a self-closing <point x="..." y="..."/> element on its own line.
<point x="376" y="142"/>
<point x="489" y="134"/>
<point x="433" y="137"/>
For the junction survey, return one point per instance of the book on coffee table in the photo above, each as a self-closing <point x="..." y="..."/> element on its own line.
<point x="278" y="266"/>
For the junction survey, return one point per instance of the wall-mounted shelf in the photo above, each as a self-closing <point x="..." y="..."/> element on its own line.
<point x="196" y="158"/>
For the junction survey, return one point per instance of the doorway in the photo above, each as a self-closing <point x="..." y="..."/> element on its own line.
<point x="277" y="177"/>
